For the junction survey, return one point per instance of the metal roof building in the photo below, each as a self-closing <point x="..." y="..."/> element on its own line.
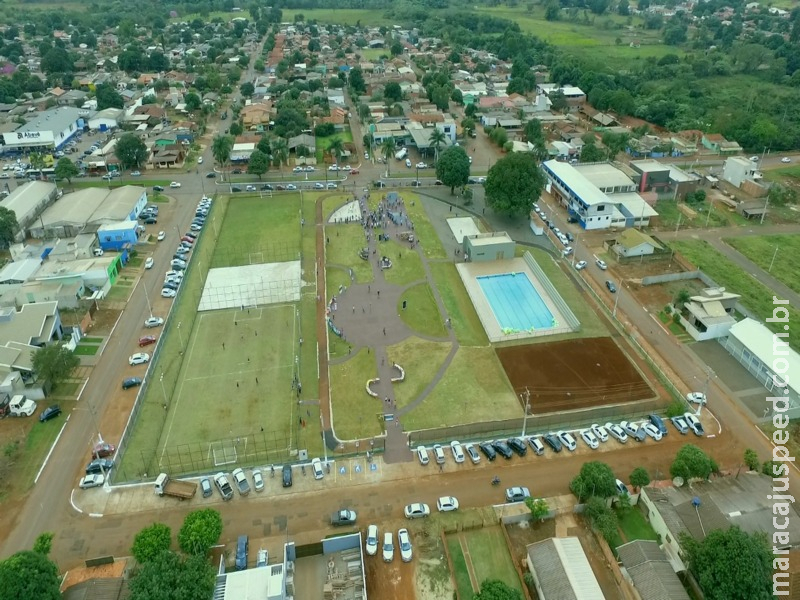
<point x="28" y="200"/>
<point x="650" y="571"/>
<point x="561" y="570"/>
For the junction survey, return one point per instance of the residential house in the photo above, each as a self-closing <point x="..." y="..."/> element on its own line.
<point x="633" y="242"/>
<point x="709" y="315"/>
<point x="561" y="570"/>
<point x="717" y="143"/>
<point x="309" y="141"/>
<point x="647" y="567"/>
<point x="256" y="116"/>
<point x="167" y="155"/>
<point x="738" y="169"/>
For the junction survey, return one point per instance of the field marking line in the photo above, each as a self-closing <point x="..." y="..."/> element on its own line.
<point x="258" y="370"/>
<point x="180" y="391"/>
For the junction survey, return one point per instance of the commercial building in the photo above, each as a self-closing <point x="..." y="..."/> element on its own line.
<point x="116" y="236"/>
<point x="106" y="119"/>
<point x="28" y="201"/>
<point x="85" y="211"/>
<point x="664" y="179"/>
<point x="598" y="196"/>
<point x="738" y="169"/>
<point x="49" y="130"/>
<point x="759" y="351"/>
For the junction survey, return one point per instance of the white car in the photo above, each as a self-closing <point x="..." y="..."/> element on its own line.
<point x="438" y="452"/>
<point x="601" y="264"/>
<point x="422" y="165"/>
<point x="90" y="481"/>
<point x="291" y="186"/>
<point x="174" y="184"/>
<point x="694" y="424"/>
<point x="316" y="468"/>
<point x="168" y="293"/>
<point x="139" y="358"/>
<point x="422" y="454"/>
<point x="622" y="489"/>
<point x="200" y="160"/>
<point x="404" y="541"/>
<point x="567" y="439"/>
<point x="616" y="432"/>
<point x="333" y="168"/>
<point x="447" y="504"/>
<point x="250" y="188"/>
<point x="581" y="264"/>
<point x="417" y="510"/>
<point x="458" y="452"/>
<point x="696" y="397"/>
<point x="149" y="262"/>
<point x="161" y="236"/>
<point x="388" y="547"/>
<point x="590" y="439"/>
<point x="258" y="480"/>
<point x="786" y="159"/>
<point x="600" y="432"/>
<point x="652" y="431"/>
<point x="174" y="275"/>
<point x="372" y="540"/>
<point x="153" y="322"/>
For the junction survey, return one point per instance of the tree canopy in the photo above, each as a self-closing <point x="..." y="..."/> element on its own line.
<point x="171" y="576"/>
<point x="730" y="563"/>
<point x="494" y="589"/>
<point x="131" y="151"/>
<point x="221" y="148"/>
<point x="29" y="574"/>
<point x="54" y="363"/>
<point x="452" y="168"/>
<point x="66" y="169"/>
<point x="200" y="530"/>
<point x="595" y="479"/>
<point x="8" y="226"/>
<point x="639" y="477"/>
<point x="514" y="183"/>
<point x="108" y="97"/>
<point x="258" y="164"/>
<point x="691" y="462"/>
<point x="150" y="542"/>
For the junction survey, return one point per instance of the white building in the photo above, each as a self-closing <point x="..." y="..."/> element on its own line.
<point x="737" y="169"/>
<point x="106" y="119"/>
<point x="28" y="201"/>
<point x="49" y="130"/>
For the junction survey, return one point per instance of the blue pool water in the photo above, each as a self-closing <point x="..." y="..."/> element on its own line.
<point x="515" y="303"/>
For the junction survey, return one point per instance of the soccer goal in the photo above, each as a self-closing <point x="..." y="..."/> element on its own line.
<point x="225" y="452"/>
<point x="256" y="258"/>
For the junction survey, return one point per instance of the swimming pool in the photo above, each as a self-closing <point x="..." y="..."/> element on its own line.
<point x="516" y="304"/>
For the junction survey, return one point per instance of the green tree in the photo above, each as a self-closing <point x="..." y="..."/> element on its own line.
<point x="107" y="97"/>
<point x="772" y="468"/>
<point x="639" y="478"/>
<point x="691" y="462"/>
<point x="468" y="125"/>
<point x="514" y="183"/>
<point x="392" y="92"/>
<point x="396" y="48"/>
<point x="247" y="89"/>
<point x="263" y="146"/>
<point x="29" y="574"/>
<point x="356" y="80"/>
<point x="387" y="149"/>
<point x="730" y="563"/>
<point x="221" y="149"/>
<point x="200" y="530"/>
<point x="751" y="459"/>
<point x="436" y="139"/>
<point x="131" y="151"/>
<point x="494" y="589"/>
<point x="8" y="226"/>
<point x="57" y="60"/>
<point x="538" y="507"/>
<point x="150" y="542"/>
<point x="324" y="129"/>
<point x="336" y="149"/>
<point x="171" y="576"/>
<point x="280" y="153"/>
<point x="37" y="162"/>
<point x="452" y="168"/>
<point x="592" y="153"/>
<point x="615" y="143"/>
<point x="66" y="169"/>
<point x="236" y="128"/>
<point x="595" y="479"/>
<point x="43" y="543"/>
<point x="682" y="297"/>
<point x="54" y="363"/>
<point x="192" y="101"/>
<point x="258" y="164"/>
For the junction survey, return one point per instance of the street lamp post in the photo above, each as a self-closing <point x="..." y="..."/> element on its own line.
<point x="180" y="336"/>
<point x="163" y="391"/>
<point x="772" y="262"/>
<point x="527" y="397"/>
<point x="147" y="299"/>
<point x="616" y="300"/>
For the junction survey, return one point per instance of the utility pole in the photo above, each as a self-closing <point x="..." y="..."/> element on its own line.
<point x="527" y="397"/>
<point x="772" y="262"/>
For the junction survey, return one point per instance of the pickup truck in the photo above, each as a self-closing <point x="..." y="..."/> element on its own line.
<point x="241" y="481"/>
<point x="343" y="517"/>
<point x="174" y="487"/>
<point x="223" y="486"/>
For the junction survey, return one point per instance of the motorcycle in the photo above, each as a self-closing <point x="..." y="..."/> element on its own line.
<point x="496" y="481"/>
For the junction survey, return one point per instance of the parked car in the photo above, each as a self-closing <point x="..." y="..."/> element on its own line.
<point x="517" y="494"/>
<point x="517" y="445"/>
<point x="242" y="547"/>
<point x="316" y="468"/>
<point x="633" y="430"/>
<point x="581" y="264"/>
<point x="552" y="440"/>
<point x="139" y="358"/>
<point x="158" y="188"/>
<point x="205" y="487"/>
<point x="568" y="440"/>
<point x="154" y="322"/>
<point x="174" y="184"/>
<point x="343" y="517"/>
<point x="291" y="187"/>
<point x="786" y="159"/>
<point x="622" y="489"/>
<point x="601" y="264"/>
<point x="696" y="397"/>
<point x="90" y="481"/>
<point x="258" y="480"/>
<point x="652" y="431"/>
<point x="250" y="188"/>
<point x="404" y="541"/>
<point x="149" y="262"/>
<point x="680" y="424"/>
<point x="388" y="547"/>
<point x="591" y="440"/>
<point x="211" y="175"/>
<point x="488" y="450"/>
<point x="417" y="510"/>
<point x="103" y="450"/>
<point x="51" y="412"/>
<point x="503" y="449"/>
<point x="99" y="465"/>
<point x="600" y="432"/>
<point x="438" y="452"/>
<point x="371" y="544"/>
<point x="694" y="424"/>
<point x="536" y="445"/>
<point x="458" y="452"/>
<point x="319" y="186"/>
<point x="616" y="432"/>
<point x="332" y="186"/>
<point x="422" y="454"/>
<point x="130" y="382"/>
<point x="161" y="236"/>
<point x="472" y="453"/>
<point x="447" y="504"/>
<point x="659" y="424"/>
<point x="240" y="479"/>
<point x="286" y="475"/>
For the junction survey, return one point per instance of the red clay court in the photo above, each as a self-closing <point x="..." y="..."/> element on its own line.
<point x="573" y="374"/>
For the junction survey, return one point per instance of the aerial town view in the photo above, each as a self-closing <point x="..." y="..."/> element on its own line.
<point x="399" y="300"/>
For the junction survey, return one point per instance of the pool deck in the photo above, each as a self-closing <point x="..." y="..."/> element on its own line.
<point x="469" y="273"/>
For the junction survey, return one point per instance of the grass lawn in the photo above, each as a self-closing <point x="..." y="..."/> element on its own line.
<point x="721" y="215"/>
<point x="634" y="526"/>
<point x="346" y="240"/>
<point x="422" y="315"/>
<point x="782" y="173"/>
<point x="474" y="388"/>
<point x="421" y="360"/>
<point x="466" y="324"/>
<point x="92" y="340"/>
<point x="267" y="230"/>
<point x="335" y="277"/>
<point x="323" y="143"/>
<point x="120" y="291"/>
<point x="784" y="249"/>
<point x="460" y="573"/>
<point x="67" y="389"/>
<point x="333" y="202"/>
<point x="406" y="264"/>
<point x="333" y="15"/>
<point x="490" y="556"/>
<point x="755" y="296"/>
<point x="86" y="349"/>
<point x="354" y="411"/>
<point x="372" y="54"/>
<point x="431" y="244"/>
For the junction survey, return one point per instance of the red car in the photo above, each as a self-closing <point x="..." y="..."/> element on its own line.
<point x="187" y="239"/>
<point x="353" y="171"/>
<point x="103" y="449"/>
<point x="147" y="340"/>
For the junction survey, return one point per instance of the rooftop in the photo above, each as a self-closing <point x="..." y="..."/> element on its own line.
<point x="19" y="270"/>
<point x="563" y="571"/>
<point x="91" y="205"/>
<point x="32" y="324"/>
<point x="605" y="176"/>
<point x="630" y="238"/>
<point x="27" y="197"/>
<point x="577" y="182"/>
<point x="652" y="574"/>
<point x="761" y="342"/>
<point x="55" y="119"/>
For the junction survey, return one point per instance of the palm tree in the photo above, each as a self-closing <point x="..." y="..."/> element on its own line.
<point x="221" y="149"/>
<point x="387" y="149"/>
<point x="336" y="149"/>
<point x="437" y="138"/>
<point x="280" y="153"/>
<point x="37" y="162"/>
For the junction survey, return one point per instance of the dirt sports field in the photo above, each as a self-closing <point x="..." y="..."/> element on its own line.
<point x="573" y="374"/>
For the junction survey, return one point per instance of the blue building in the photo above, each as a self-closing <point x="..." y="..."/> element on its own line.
<point x="116" y="236"/>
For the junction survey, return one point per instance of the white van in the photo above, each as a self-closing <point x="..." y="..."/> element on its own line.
<point x="422" y="453"/>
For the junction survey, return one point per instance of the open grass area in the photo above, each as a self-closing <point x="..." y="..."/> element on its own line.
<point x="490" y="556"/>
<point x="332" y="202"/>
<point x="120" y="291"/>
<point x="425" y="232"/>
<point x="755" y="296"/>
<point x="720" y="215"/>
<point x="86" y="349"/>
<point x="460" y="573"/>
<point x="420" y="359"/>
<point x="333" y="15"/>
<point x="421" y="313"/>
<point x="634" y="526"/>
<point x="463" y="318"/>
<point x="776" y="253"/>
<point x="473" y="389"/>
<point x="345" y="242"/>
<point x="406" y="264"/>
<point x="781" y="173"/>
<point x="354" y="411"/>
<point x="92" y="340"/>
<point x="323" y="143"/>
<point x="335" y="277"/>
